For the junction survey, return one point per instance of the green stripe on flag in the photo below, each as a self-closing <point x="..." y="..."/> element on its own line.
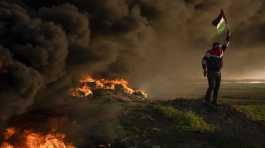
<point x="221" y="26"/>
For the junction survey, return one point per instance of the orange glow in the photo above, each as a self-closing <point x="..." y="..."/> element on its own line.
<point x="30" y="139"/>
<point x="6" y="145"/>
<point x="88" y="85"/>
<point x="82" y="91"/>
<point x="9" y="133"/>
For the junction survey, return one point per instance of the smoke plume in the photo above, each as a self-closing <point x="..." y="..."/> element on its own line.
<point x="46" y="45"/>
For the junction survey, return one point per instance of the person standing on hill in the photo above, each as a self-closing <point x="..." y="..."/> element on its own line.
<point x="212" y="61"/>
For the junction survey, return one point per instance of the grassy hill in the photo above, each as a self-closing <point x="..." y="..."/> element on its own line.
<point x="189" y="124"/>
<point x="108" y="120"/>
<point x="184" y="123"/>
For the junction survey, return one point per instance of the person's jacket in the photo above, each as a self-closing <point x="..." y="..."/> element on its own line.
<point x="212" y="61"/>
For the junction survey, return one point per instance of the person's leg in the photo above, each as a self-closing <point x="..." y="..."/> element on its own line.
<point x="209" y="92"/>
<point x="216" y="87"/>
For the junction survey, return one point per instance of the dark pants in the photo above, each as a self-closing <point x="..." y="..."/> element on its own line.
<point x="214" y="80"/>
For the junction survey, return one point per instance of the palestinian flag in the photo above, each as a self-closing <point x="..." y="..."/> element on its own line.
<point x="220" y="22"/>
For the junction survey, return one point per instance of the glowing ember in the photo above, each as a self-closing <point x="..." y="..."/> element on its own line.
<point x="9" y="133"/>
<point x="6" y="145"/>
<point x="82" y="91"/>
<point x="29" y="139"/>
<point x="88" y="85"/>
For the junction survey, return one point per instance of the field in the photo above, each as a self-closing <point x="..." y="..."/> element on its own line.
<point x="238" y="122"/>
<point x="247" y="96"/>
<point x="182" y="122"/>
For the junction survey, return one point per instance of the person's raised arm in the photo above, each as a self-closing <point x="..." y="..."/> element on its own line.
<point x="227" y="40"/>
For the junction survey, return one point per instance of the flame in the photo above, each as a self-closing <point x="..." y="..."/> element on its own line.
<point x="88" y="85"/>
<point x="9" y="133"/>
<point x="82" y="91"/>
<point x="30" y="139"/>
<point x="6" y="145"/>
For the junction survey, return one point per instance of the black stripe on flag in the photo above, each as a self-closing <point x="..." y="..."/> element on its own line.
<point x="216" y="21"/>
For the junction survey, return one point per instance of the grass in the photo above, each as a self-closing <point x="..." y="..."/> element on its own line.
<point x="186" y="124"/>
<point x="162" y="124"/>
<point x="230" y="142"/>
<point x="184" y="120"/>
<point x="254" y="112"/>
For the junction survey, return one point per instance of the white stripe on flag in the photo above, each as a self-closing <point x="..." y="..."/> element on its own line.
<point x="221" y="24"/>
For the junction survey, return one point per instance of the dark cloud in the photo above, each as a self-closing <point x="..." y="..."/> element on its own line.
<point x="47" y="44"/>
<point x="19" y="85"/>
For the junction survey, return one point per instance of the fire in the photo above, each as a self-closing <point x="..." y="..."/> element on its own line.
<point x="9" y="133"/>
<point x="6" y="145"/>
<point x="30" y="139"/>
<point x="88" y="85"/>
<point x="83" y="90"/>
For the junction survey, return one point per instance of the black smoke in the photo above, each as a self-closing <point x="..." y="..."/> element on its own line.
<point x="46" y="45"/>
